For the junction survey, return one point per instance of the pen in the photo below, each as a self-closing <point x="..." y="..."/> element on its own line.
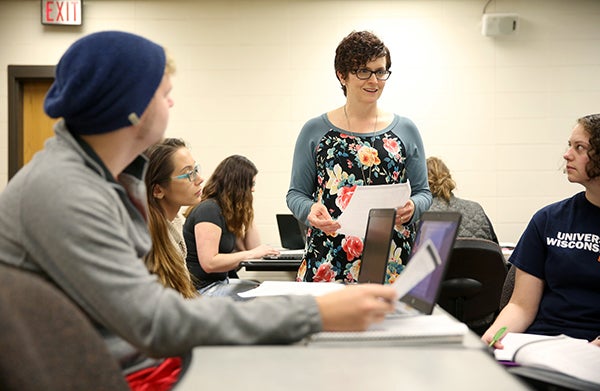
<point x="497" y="336"/>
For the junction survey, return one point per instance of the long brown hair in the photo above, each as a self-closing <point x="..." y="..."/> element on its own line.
<point x="164" y="259"/>
<point x="230" y="185"/>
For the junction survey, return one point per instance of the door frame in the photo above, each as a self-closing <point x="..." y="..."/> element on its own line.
<point x="18" y="75"/>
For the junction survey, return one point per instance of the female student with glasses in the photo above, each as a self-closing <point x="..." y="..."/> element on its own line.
<point x="172" y="181"/>
<point x="357" y="144"/>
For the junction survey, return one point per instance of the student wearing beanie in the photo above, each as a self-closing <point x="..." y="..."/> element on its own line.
<point x="76" y="214"/>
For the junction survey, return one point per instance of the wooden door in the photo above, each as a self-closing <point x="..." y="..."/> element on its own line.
<point x="37" y="126"/>
<point x="28" y="125"/>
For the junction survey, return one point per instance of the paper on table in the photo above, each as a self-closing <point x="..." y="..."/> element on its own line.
<point x="513" y="341"/>
<point x="421" y="264"/>
<point x="571" y="356"/>
<point x="277" y="288"/>
<point x="353" y="219"/>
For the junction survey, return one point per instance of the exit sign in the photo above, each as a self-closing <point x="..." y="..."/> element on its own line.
<point x="61" y="12"/>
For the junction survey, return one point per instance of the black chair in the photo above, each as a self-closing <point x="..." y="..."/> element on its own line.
<point x="47" y="342"/>
<point x="508" y="287"/>
<point x="473" y="282"/>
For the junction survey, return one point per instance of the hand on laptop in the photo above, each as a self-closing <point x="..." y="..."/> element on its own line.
<point x="356" y="307"/>
<point x="261" y="251"/>
<point x="320" y="218"/>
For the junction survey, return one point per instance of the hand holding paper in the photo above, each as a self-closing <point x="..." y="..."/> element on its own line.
<point x="353" y="220"/>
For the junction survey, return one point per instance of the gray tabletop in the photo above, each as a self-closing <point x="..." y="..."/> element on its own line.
<point x="444" y="367"/>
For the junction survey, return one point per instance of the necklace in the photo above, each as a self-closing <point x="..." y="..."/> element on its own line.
<point x="371" y="151"/>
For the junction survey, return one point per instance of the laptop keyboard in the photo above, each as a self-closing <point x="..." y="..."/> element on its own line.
<point x="286" y="255"/>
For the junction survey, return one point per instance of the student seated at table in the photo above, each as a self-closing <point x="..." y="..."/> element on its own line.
<point x="220" y="231"/>
<point x="76" y="215"/>
<point x="557" y="259"/>
<point x="172" y="181"/>
<point x="475" y="223"/>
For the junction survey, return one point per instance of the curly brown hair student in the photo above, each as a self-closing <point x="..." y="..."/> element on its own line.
<point x="557" y="258"/>
<point x="475" y="222"/>
<point x="220" y="232"/>
<point x="172" y="181"/>
<point x="112" y="95"/>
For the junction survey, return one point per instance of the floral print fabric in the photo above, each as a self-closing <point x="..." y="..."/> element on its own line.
<point x="344" y="161"/>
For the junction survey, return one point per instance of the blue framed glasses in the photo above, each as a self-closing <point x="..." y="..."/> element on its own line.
<point x="192" y="175"/>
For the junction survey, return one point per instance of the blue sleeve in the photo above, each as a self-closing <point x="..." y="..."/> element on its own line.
<point x="416" y="167"/>
<point x="300" y="195"/>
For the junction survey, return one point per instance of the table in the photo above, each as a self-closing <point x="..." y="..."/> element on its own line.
<point x="295" y="368"/>
<point x="450" y="366"/>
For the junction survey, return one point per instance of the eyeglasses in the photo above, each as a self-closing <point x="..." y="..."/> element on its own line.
<point x="192" y="175"/>
<point x="365" y="74"/>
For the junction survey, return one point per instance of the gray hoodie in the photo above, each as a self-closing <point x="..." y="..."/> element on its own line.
<point x="65" y="217"/>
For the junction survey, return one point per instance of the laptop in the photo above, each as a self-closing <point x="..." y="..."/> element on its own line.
<point x="376" y="245"/>
<point x="441" y="229"/>
<point x="292" y="234"/>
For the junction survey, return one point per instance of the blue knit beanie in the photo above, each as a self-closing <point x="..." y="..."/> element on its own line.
<point x="102" y="79"/>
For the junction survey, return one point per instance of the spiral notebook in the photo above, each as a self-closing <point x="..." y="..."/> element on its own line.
<point x="413" y="330"/>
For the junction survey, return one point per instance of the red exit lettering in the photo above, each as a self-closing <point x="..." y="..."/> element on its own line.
<point x="61" y="12"/>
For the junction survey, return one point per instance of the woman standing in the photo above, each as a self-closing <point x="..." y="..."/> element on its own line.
<point x="172" y="180"/>
<point x="357" y="144"/>
<point x="220" y="232"/>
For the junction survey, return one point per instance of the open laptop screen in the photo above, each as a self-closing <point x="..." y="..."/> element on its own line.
<point x="292" y="232"/>
<point x="377" y="242"/>
<point x="441" y="228"/>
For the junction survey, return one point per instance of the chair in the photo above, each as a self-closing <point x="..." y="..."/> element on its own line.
<point x="47" y="342"/>
<point x="473" y="282"/>
<point x="507" y="288"/>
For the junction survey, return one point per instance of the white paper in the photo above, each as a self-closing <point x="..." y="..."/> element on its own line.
<point x="277" y="288"/>
<point x="572" y="356"/>
<point x="513" y="341"/>
<point x="421" y="264"/>
<point x="353" y="219"/>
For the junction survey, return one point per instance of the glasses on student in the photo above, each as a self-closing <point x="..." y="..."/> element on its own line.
<point x="364" y="74"/>
<point x="191" y="175"/>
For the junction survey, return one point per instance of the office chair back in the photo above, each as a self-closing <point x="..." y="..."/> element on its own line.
<point x="47" y="342"/>
<point x="473" y="283"/>
<point x="508" y="287"/>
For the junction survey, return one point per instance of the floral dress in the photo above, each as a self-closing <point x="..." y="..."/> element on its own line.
<point x="343" y="162"/>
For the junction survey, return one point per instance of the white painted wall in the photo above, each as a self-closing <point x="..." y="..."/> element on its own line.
<point x="250" y="73"/>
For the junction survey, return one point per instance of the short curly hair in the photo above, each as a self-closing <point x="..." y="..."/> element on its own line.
<point x="356" y="50"/>
<point x="591" y="124"/>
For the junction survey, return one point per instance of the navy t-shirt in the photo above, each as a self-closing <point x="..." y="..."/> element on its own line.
<point x="561" y="246"/>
